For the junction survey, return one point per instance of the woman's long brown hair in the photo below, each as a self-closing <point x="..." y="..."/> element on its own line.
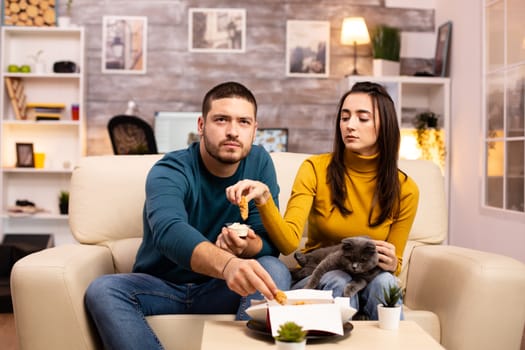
<point x="387" y="192"/>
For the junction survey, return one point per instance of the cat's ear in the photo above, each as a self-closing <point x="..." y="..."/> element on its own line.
<point x="347" y="243"/>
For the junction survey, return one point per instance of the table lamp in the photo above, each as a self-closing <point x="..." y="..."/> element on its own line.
<point x="354" y="32"/>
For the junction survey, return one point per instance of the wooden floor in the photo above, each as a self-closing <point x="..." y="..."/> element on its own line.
<point x="8" y="332"/>
<point x="9" y="341"/>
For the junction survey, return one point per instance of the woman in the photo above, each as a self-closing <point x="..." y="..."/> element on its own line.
<point x="355" y="190"/>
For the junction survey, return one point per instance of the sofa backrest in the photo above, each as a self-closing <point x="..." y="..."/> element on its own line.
<point x="107" y="198"/>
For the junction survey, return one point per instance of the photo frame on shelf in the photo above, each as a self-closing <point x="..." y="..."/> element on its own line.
<point x="272" y="139"/>
<point x="25" y="157"/>
<point x="124" y="45"/>
<point x="444" y="36"/>
<point x="307" y="48"/>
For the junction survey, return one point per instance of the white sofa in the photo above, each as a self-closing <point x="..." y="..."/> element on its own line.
<point x="465" y="299"/>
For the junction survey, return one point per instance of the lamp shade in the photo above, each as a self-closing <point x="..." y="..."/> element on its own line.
<point x="354" y="31"/>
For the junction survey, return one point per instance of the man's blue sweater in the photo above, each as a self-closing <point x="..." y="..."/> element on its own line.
<point x="186" y="205"/>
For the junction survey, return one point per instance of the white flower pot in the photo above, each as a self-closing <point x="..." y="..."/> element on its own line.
<point x="64" y="21"/>
<point x="281" y="345"/>
<point x="385" y="67"/>
<point x="389" y="317"/>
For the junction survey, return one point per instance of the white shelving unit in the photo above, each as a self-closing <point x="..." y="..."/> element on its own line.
<point x="62" y="140"/>
<point x="414" y="95"/>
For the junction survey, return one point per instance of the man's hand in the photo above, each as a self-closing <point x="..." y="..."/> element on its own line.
<point x="387" y="255"/>
<point x="255" y="190"/>
<point x="246" y="276"/>
<point x="241" y="247"/>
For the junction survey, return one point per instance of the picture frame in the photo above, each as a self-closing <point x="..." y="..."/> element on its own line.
<point x="124" y="44"/>
<point x="272" y="139"/>
<point x="217" y="30"/>
<point x="175" y="130"/>
<point x="444" y="35"/>
<point x="307" y="48"/>
<point x="25" y="156"/>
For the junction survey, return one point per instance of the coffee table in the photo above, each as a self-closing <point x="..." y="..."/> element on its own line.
<point x="231" y="335"/>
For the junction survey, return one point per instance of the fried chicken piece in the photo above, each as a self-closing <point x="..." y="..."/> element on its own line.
<point x="280" y="297"/>
<point x="243" y="207"/>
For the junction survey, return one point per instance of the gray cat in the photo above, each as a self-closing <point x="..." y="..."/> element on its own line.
<point x="355" y="255"/>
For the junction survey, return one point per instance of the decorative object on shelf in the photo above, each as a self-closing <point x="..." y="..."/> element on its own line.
<point x="444" y="35"/>
<point x="354" y="32"/>
<point x="43" y="111"/>
<point x="25" y="157"/>
<point x="39" y="66"/>
<point x="40" y="160"/>
<point x="75" y="111"/>
<point x="430" y="137"/>
<point x="307" y="49"/>
<point x="37" y="13"/>
<point x="290" y="336"/>
<point x="15" y="91"/>
<point x="389" y="312"/>
<point x="65" y="67"/>
<point x="63" y="202"/>
<point x="386" y="44"/>
<point x="64" y="21"/>
<point x="124" y="46"/>
<point x="206" y="35"/>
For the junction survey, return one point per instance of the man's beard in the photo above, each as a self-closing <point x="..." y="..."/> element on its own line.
<point x="213" y="151"/>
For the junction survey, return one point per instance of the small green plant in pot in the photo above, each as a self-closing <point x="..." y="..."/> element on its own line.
<point x="386" y="45"/>
<point x="63" y="202"/>
<point x="290" y="336"/>
<point x="389" y="311"/>
<point x="430" y="137"/>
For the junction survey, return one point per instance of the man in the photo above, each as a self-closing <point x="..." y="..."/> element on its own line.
<point x="189" y="262"/>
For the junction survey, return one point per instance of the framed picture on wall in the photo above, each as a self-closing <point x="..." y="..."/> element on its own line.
<point x="124" y="44"/>
<point x="272" y="139"/>
<point x="217" y="30"/>
<point x="307" y="48"/>
<point x="444" y="35"/>
<point x="25" y="158"/>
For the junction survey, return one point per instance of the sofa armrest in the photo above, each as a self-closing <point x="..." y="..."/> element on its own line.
<point x="478" y="296"/>
<point x="48" y="296"/>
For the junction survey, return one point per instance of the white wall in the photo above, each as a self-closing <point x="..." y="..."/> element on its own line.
<point x="470" y="225"/>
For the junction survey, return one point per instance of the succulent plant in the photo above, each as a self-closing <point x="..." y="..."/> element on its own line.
<point x="386" y="43"/>
<point x="290" y="332"/>
<point x="391" y="295"/>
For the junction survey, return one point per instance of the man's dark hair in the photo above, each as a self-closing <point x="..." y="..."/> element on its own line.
<point x="227" y="90"/>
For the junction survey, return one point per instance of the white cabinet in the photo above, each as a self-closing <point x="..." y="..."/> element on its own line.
<point x="412" y="96"/>
<point x="62" y="140"/>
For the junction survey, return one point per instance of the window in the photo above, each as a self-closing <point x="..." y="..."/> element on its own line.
<point x="504" y="109"/>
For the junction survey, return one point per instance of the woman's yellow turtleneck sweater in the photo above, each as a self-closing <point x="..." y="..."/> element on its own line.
<point x="310" y="199"/>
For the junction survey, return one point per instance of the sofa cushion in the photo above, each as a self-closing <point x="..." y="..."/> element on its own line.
<point x="115" y="198"/>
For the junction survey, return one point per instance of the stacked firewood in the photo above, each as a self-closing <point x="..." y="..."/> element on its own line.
<point x="29" y="12"/>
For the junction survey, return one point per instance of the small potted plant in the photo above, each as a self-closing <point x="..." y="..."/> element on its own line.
<point x="430" y="137"/>
<point x="386" y="45"/>
<point x="63" y="202"/>
<point x="290" y="336"/>
<point x="389" y="311"/>
<point x="65" y="20"/>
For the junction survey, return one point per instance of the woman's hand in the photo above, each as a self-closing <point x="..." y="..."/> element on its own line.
<point x="255" y="190"/>
<point x="387" y="255"/>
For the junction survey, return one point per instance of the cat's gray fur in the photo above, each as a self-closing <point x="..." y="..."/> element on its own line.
<point x="355" y="255"/>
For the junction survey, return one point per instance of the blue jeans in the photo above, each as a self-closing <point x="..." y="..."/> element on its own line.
<point x="118" y="304"/>
<point x="366" y="300"/>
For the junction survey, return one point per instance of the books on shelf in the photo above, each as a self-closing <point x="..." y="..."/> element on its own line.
<point x="15" y="91"/>
<point x="45" y="110"/>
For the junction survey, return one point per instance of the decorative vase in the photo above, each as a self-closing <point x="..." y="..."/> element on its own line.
<point x="385" y="67"/>
<point x="64" y="208"/>
<point x="281" y="345"/>
<point x="64" y="21"/>
<point x="389" y="317"/>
